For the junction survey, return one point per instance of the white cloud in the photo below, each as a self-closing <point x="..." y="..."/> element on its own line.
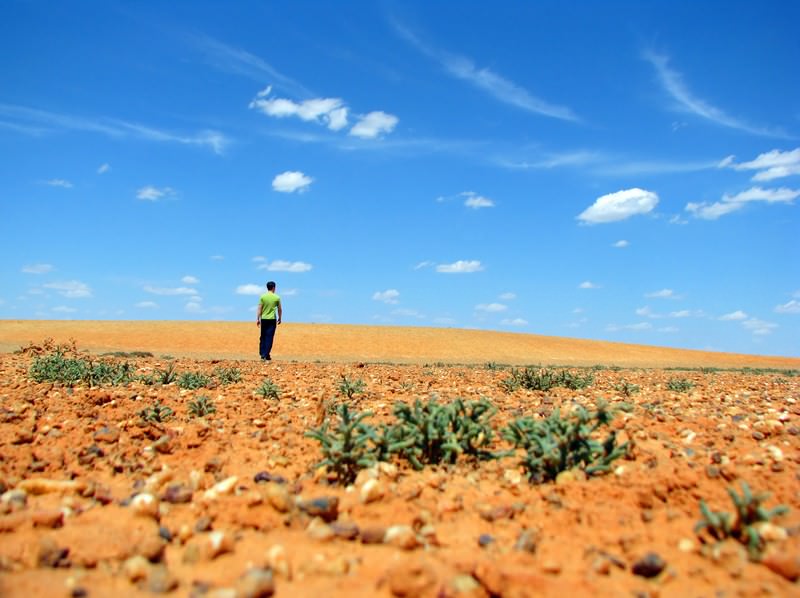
<point x="374" y="124"/>
<point x="514" y="322"/>
<point x="476" y="201"/>
<point x="147" y="305"/>
<point x="72" y="289"/>
<point x="732" y="203"/>
<point x="407" y="313"/>
<point x="388" y="296"/>
<point x="151" y="193"/>
<point x="64" y="309"/>
<point x="59" y="183"/>
<point x="167" y="291"/>
<point x="291" y="181"/>
<point x="194" y="306"/>
<point x="619" y="206"/>
<point x="460" y="267"/>
<point x="792" y="307"/>
<point x="104" y="168"/>
<point x="684" y="313"/>
<point x="330" y="112"/>
<point x="759" y="327"/>
<point x="621" y="244"/>
<point x="771" y="165"/>
<point x="734" y="316"/>
<point x="259" y="258"/>
<point x="508" y="296"/>
<point x="491" y="307"/>
<point x="662" y="294"/>
<point x="421" y="265"/>
<point x="587" y="284"/>
<point x="249" y="289"/>
<point x="37" y="268"/>
<point x="646" y="312"/>
<point x="285" y="266"/>
<point x="189" y="280"/>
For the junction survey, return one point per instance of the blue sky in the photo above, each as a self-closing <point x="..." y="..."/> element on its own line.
<point x="626" y="171"/>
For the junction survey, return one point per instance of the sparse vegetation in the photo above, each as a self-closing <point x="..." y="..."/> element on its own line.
<point x="347" y="448"/>
<point x="156" y="413"/>
<point x="228" y="375"/>
<point x="194" y="380"/>
<point x="680" y="384"/>
<point x="627" y="389"/>
<point x="544" y="379"/>
<point x="201" y="407"/>
<point x="351" y="388"/>
<point x="58" y="367"/>
<point x="269" y="390"/>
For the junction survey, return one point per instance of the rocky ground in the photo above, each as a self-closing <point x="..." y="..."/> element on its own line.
<point x="98" y="502"/>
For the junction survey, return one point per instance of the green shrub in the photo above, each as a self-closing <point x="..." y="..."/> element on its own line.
<point x="193" y="380"/>
<point x="228" y="375"/>
<point x="680" y="385"/>
<point x="269" y="390"/>
<point x="201" y="407"/>
<point x="558" y="444"/>
<point x="742" y="525"/>
<point x="626" y="388"/>
<point x="56" y="367"/>
<point x="156" y="413"/>
<point x="349" y="447"/>
<point x="350" y="388"/>
<point x="544" y="379"/>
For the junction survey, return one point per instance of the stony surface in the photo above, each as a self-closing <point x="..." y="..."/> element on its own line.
<point x="237" y="506"/>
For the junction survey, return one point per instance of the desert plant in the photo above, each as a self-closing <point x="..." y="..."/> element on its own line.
<point x="349" y="447"/>
<point x="626" y="388"/>
<point x="166" y="376"/>
<point x="433" y="433"/>
<point x="558" y="443"/>
<point x="56" y="367"/>
<point x="351" y="388"/>
<point x="156" y="413"/>
<point x="201" y="407"/>
<point x="680" y="385"/>
<point x="228" y="375"/>
<point x="742" y="525"/>
<point x="269" y="390"/>
<point x="544" y="379"/>
<point x="193" y="380"/>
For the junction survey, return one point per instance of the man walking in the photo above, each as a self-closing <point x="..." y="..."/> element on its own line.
<point x="269" y="306"/>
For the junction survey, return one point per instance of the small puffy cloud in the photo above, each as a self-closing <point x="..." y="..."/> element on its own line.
<point x="771" y="165"/>
<point x="72" y="289"/>
<point x="662" y="294"/>
<point x="514" y="322"/>
<point x="646" y="312"/>
<point x="759" y="327"/>
<point x="63" y="309"/>
<point x="476" y="201"/>
<point x="491" y="307"/>
<point x="621" y="244"/>
<point x="684" y="313"/>
<point x="291" y="181"/>
<point x="388" y="296"/>
<point x="37" y="268"/>
<point x="150" y="193"/>
<point x="733" y="203"/>
<point x="330" y="112"/>
<point x="792" y="307"/>
<point x="249" y="289"/>
<point x="194" y="306"/>
<point x="508" y="296"/>
<point x="147" y="305"/>
<point x="587" y="284"/>
<point x="64" y="184"/>
<point x="460" y="267"/>
<point x="734" y="316"/>
<point x="170" y="291"/>
<point x="619" y="206"/>
<point x="189" y="280"/>
<point x="285" y="266"/>
<point x="104" y="168"/>
<point x="374" y="124"/>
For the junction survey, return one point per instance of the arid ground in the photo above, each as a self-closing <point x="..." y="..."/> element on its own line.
<point x="119" y="486"/>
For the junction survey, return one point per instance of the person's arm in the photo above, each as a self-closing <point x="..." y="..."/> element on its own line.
<point x="258" y="314"/>
<point x="280" y="313"/>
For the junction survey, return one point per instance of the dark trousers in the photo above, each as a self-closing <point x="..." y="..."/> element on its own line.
<point x="267" y="336"/>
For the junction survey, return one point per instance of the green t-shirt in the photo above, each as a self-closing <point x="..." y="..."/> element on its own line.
<point x="269" y="304"/>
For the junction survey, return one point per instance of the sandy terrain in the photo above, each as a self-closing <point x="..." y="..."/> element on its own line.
<point x="98" y="502"/>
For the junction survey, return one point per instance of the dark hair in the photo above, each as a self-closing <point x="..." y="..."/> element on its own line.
<point x="270" y="286"/>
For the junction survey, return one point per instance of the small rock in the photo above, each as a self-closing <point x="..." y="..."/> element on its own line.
<point x="527" y="541"/>
<point x="785" y="564"/>
<point x="464" y="584"/>
<point x="491" y="514"/>
<point x="222" y="488"/>
<point x="326" y="507"/>
<point x="771" y="532"/>
<point x="152" y="548"/>
<point x="14" y="498"/>
<point x="372" y="534"/>
<point x="410" y="578"/>
<point x="255" y="583"/>
<point x="177" y="494"/>
<point x="51" y="554"/>
<point x="552" y="567"/>
<point x="758" y="435"/>
<point x="265" y="476"/>
<point x="712" y="471"/>
<point x="371" y="491"/>
<point x="145" y="504"/>
<point x="319" y="530"/>
<point x="208" y="547"/>
<point x="160" y="580"/>
<point x="345" y="530"/>
<point x="401" y="536"/>
<point x="107" y="435"/>
<point x="649" y="565"/>
<point x="279" y="497"/>
<point x="51" y="518"/>
<point x="203" y="524"/>
<point x="279" y="562"/>
<point x="484" y="540"/>
<point x="136" y="568"/>
<point x="686" y="545"/>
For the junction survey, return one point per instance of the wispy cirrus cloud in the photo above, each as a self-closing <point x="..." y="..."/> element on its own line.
<point x="491" y="307"/>
<point x="497" y="86"/>
<point x="771" y="165"/>
<point x="150" y="193"/>
<point x="112" y="127"/>
<point x="65" y="184"/>
<point x="734" y="203"/>
<point x="734" y="316"/>
<point x="71" y="289"/>
<point x="170" y="291"/>
<point x="285" y="266"/>
<point x="37" y="268"/>
<point x="460" y="267"/>
<point x="791" y="307"/>
<point x="673" y="83"/>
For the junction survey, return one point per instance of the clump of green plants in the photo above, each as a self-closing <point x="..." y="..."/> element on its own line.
<point x="559" y="443"/>
<point x="228" y="375"/>
<point x="741" y="525"/>
<point x="626" y="388"/>
<point x="350" y="388"/>
<point x="156" y="413"/>
<point x="544" y="379"/>
<point x="269" y="390"/>
<point x="194" y="380"/>
<point x="162" y="377"/>
<point x="201" y="407"/>
<point x="680" y="384"/>
<point x="56" y="366"/>
<point x="347" y="448"/>
<point x="430" y="433"/>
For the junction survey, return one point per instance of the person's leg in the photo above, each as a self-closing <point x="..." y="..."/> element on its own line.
<point x="262" y="340"/>
<point x="268" y="330"/>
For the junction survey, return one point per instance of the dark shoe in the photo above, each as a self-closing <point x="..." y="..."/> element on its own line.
<point x="268" y="358"/>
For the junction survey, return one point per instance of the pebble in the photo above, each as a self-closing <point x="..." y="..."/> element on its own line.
<point x="771" y="532"/>
<point x="222" y="488"/>
<point x="14" y="498"/>
<point x="410" y="579"/>
<point x="371" y="491"/>
<point x="319" y="530"/>
<point x="649" y="565"/>
<point x="279" y="497"/>
<point x="401" y="536"/>
<point x="265" y="476"/>
<point x="136" y="568"/>
<point x="37" y="486"/>
<point x="50" y="518"/>
<point x="208" y="547"/>
<point x="527" y="541"/>
<point x="145" y="505"/>
<point x="326" y="507"/>
<point x="278" y="561"/>
<point x="255" y="583"/>
<point x="345" y="530"/>
<point x="484" y="540"/>
<point x="552" y="567"/>
<point x="177" y="494"/>
<point x="372" y="534"/>
<point x="464" y="584"/>
<point x="160" y="580"/>
<point x="686" y="545"/>
<point x="107" y="435"/>
<point x="785" y="564"/>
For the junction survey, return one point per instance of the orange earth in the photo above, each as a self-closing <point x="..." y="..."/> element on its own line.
<point x="97" y="502"/>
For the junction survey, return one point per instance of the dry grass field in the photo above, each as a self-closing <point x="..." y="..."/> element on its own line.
<point x="186" y="468"/>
